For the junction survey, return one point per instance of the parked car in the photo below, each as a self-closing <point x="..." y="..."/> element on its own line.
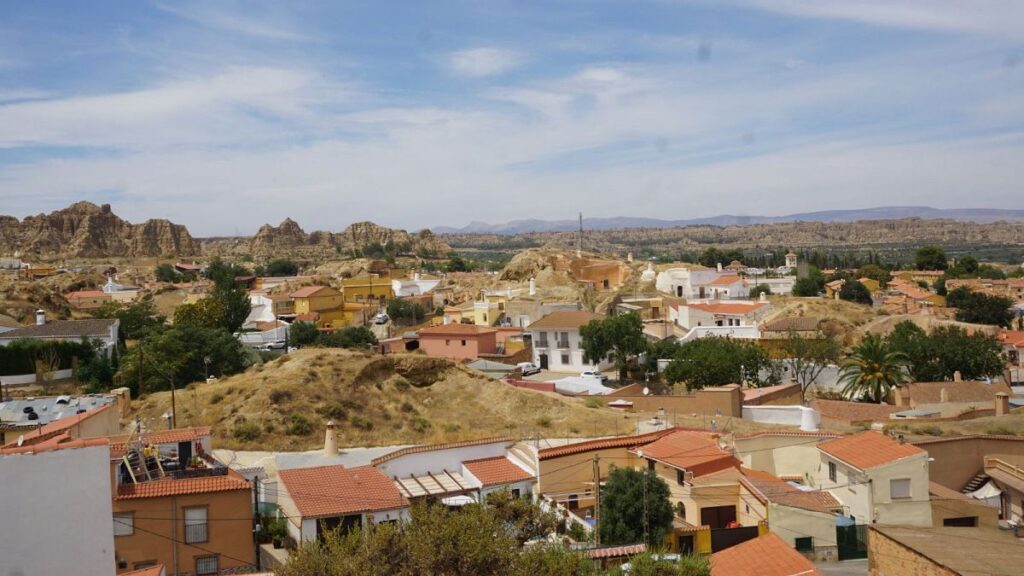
<point x="528" y="368"/>
<point x="380" y="319"/>
<point x="278" y="345"/>
<point x="593" y="374"/>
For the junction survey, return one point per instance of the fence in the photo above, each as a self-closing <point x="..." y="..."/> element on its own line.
<point x="807" y="419"/>
<point x="852" y="541"/>
<point x="27" y="379"/>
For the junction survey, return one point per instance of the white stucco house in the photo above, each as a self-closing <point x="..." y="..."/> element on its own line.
<point x="557" y="345"/>
<point x="717" y="314"/>
<point x="413" y="286"/>
<point x="100" y="329"/>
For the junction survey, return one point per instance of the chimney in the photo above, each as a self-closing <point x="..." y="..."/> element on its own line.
<point x="40" y="317"/>
<point x="1002" y="404"/>
<point x="957" y="377"/>
<point x="944" y="395"/>
<point x="331" y="440"/>
<point x="533" y="287"/>
<point x="719" y="266"/>
<point x="763" y="297"/>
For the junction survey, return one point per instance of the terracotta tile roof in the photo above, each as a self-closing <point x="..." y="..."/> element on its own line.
<point x="766" y="555"/>
<point x="692" y="450"/>
<point x="95" y="327"/>
<point x="497" y="470"/>
<point x="602" y="444"/>
<point x="724" y="281"/>
<point x="569" y="319"/>
<point x="821" y="435"/>
<point x="157" y="570"/>
<point x="307" y="291"/>
<point x="307" y="317"/>
<point x="854" y="411"/>
<point x="794" y="323"/>
<point x="756" y="393"/>
<point x="434" y="447"/>
<point x="338" y="491"/>
<point x="182" y="486"/>
<point x="616" y="551"/>
<point x="931" y="392"/>
<point x="457" y="330"/>
<point x="734" y="308"/>
<point x="1012" y="338"/>
<point x="769" y="487"/>
<point x="60" y="442"/>
<point x="868" y="449"/>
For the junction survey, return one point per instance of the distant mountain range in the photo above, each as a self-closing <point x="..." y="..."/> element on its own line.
<point x="979" y="215"/>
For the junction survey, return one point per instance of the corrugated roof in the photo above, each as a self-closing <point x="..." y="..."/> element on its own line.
<point x="602" y="444"/>
<point x="497" y="470"/>
<point x="616" y="551"/>
<point x="339" y="491"/>
<point x="868" y="449"/>
<point x="568" y="319"/>
<point x="766" y="555"/>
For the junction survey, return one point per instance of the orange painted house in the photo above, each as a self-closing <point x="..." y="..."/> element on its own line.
<point x="458" y="341"/>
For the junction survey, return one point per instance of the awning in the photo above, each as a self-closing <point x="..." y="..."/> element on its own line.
<point x="442" y="483"/>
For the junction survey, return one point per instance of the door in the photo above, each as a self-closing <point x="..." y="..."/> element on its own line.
<point x="717" y="516"/>
<point x="543" y="361"/>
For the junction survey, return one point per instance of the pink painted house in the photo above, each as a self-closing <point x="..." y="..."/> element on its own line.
<point x="459" y="341"/>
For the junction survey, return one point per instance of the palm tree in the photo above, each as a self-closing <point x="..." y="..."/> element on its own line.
<point x="873" y="370"/>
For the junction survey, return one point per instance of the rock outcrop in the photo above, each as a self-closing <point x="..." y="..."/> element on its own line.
<point x="85" y="230"/>
<point x="359" y="239"/>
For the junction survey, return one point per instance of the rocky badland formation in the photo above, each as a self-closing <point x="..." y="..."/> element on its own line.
<point x="85" y="230"/>
<point x="359" y="239"/>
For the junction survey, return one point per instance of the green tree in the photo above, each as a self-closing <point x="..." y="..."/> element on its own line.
<point x="280" y="267"/>
<point x="854" y="291"/>
<point x="135" y="319"/>
<point x="931" y="258"/>
<point x="807" y="358"/>
<point x="650" y="564"/>
<point x="980" y="308"/>
<point x="622" y="507"/>
<point x="523" y="519"/>
<point x="805" y="287"/>
<point x="405" y="311"/>
<point x="714" y="361"/>
<point x="180" y="352"/>
<point x="756" y="291"/>
<point x="232" y="297"/>
<point x="876" y="273"/>
<point x="711" y="257"/>
<point x="872" y="370"/>
<point x="205" y="313"/>
<point x="620" y="335"/>
<point x="458" y="264"/>
<point x="349" y="337"/>
<point x="166" y="273"/>
<point x="969" y="264"/>
<point x="303" y="333"/>
<point x="936" y="356"/>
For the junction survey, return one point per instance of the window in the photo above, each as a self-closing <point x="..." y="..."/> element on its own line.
<point x="804" y="544"/>
<point x="207" y="566"/>
<point x="964" y="521"/>
<point x="515" y="492"/>
<point x="542" y="339"/>
<point x="680" y="477"/>
<point x="124" y="523"/>
<point x="650" y="465"/>
<point x="899" y="488"/>
<point x="195" y="526"/>
<point x="832" y="471"/>
<point x="463" y="342"/>
<point x="144" y="564"/>
<point x="565" y="359"/>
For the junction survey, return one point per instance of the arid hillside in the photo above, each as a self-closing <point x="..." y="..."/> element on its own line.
<point x="375" y="400"/>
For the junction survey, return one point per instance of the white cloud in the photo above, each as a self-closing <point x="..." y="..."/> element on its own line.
<point x="993" y="17"/>
<point x="237" y="21"/>
<point x="484" y="61"/>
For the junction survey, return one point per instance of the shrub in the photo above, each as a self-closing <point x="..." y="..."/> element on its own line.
<point x="452" y="427"/>
<point x="419" y="425"/>
<point x="594" y="403"/>
<point x="362" y="423"/>
<point x="299" y="425"/>
<point x="408" y="408"/>
<point x="280" y="396"/>
<point x="334" y="411"/>
<point x="216" y="398"/>
<point x="543" y="421"/>
<point x="246" y="431"/>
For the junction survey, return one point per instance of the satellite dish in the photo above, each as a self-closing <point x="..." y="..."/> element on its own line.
<point x="647" y="391"/>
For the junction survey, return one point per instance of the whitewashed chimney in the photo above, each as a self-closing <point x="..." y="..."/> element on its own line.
<point x="331" y="440"/>
<point x="40" y="317"/>
<point x="533" y="287"/>
<point x="719" y="266"/>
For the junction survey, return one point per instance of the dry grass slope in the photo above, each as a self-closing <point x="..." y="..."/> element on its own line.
<point x="376" y="400"/>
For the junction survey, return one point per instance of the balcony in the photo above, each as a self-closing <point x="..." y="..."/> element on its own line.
<point x="196" y="533"/>
<point x="562" y="344"/>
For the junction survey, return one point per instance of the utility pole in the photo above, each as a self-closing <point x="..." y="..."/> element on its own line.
<point x="579" y="240"/>
<point x="644" y="478"/>
<point x="597" y="500"/>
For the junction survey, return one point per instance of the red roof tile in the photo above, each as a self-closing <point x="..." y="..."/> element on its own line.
<point x="457" y="330"/>
<point x="766" y="555"/>
<point x="497" y="470"/>
<point x="338" y="491"/>
<point x="733" y="308"/>
<point x="157" y="570"/>
<point x="868" y="449"/>
<point x="616" y="442"/>
<point x="182" y="486"/>
<point x="766" y="486"/>
<point x="854" y="411"/>
<point x="725" y="280"/>
<point x="616" y="551"/>
<point x="692" y="450"/>
<point x="565" y="319"/>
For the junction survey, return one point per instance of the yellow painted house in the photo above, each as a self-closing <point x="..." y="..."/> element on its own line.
<point x="327" y="307"/>
<point x="367" y="288"/>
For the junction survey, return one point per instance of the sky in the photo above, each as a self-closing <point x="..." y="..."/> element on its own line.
<point x="226" y="115"/>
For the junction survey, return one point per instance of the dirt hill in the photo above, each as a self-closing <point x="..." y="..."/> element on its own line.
<point x="376" y="400"/>
<point x="85" y="230"/>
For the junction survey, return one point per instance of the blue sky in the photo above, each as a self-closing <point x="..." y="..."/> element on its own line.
<point x="226" y="115"/>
